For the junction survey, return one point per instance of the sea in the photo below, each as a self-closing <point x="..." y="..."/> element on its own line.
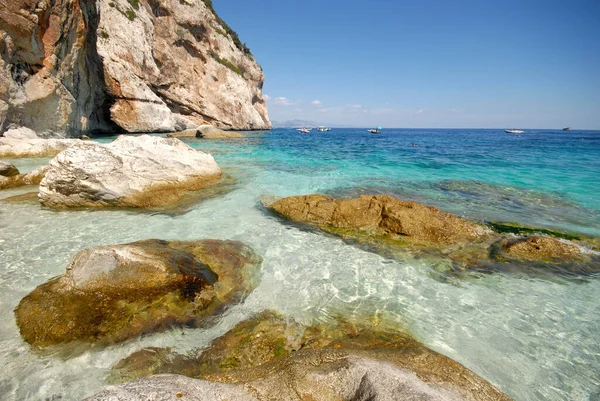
<point x="534" y="336"/>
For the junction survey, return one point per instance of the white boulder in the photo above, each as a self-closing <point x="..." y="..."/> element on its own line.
<point x="23" y="142"/>
<point x="143" y="171"/>
<point x="21" y="133"/>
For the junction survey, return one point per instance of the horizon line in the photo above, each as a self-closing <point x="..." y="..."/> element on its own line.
<point x="480" y="128"/>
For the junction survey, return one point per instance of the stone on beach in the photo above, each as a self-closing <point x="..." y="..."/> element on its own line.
<point x="143" y="171"/>
<point x="112" y="293"/>
<point x="381" y="215"/>
<point x="269" y="357"/>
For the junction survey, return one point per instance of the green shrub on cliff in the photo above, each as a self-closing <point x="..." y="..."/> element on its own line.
<point x="227" y="64"/>
<point x="234" y="36"/>
<point x="130" y="14"/>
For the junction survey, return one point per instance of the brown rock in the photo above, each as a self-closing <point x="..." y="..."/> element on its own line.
<point x="8" y="169"/>
<point x="381" y="215"/>
<point x="113" y="293"/>
<point x="283" y="360"/>
<point x="30" y="198"/>
<point x="541" y="249"/>
<point x="19" y="180"/>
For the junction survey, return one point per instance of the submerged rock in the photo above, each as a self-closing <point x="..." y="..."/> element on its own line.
<point x="140" y="172"/>
<point x="276" y="359"/>
<point x="206" y="132"/>
<point x="520" y="229"/>
<point x="382" y="215"/>
<point x="30" y="198"/>
<point x="539" y="249"/>
<point x="399" y="229"/>
<point x="19" y="180"/>
<point x="537" y="255"/>
<point x="112" y="293"/>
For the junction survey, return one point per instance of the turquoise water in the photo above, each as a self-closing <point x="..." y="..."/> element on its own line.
<point x="533" y="337"/>
<point x="543" y="178"/>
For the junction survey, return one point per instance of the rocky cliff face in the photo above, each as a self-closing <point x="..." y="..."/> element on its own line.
<point x="80" y="66"/>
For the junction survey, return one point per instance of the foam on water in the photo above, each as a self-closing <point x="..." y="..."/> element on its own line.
<point x="534" y="338"/>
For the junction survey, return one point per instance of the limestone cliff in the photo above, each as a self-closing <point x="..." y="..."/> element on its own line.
<point x="88" y="66"/>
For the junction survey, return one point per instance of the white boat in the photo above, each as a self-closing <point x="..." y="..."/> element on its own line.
<point x="304" y="130"/>
<point x="323" y="129"/>
<point x="375" y="130"/>
<point x="513" y="131"/>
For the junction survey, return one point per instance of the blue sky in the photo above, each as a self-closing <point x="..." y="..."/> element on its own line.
<point x="426" y="63"/>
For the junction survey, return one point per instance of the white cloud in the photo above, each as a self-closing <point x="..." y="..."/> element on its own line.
<point x="316" y="103"/>
<point x="355" y="106"/>
<point x="282" y="101"/>
<point x="267" y="97"/>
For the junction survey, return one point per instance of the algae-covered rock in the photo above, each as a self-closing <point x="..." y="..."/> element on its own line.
<point x="539" y="249"/>
<point x="381" y="215"/>
<point x="400" y="229"/>
<point x="516" y="228"/>
<point x="537" y="255"/>
<point x="113" y="293"/>
<point x="139" y="172"/>
<point x="279" y="359"/>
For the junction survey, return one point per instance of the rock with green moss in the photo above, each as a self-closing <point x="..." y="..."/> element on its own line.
<point x="403" y="229"/>
<point x="549" y="252"/>
<point x="278" y="359"/>
<point x="113" y="293"/>
<point x="516" y="228"/>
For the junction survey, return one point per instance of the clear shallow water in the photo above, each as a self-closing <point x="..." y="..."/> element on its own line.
<point x="534" y="338"/>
